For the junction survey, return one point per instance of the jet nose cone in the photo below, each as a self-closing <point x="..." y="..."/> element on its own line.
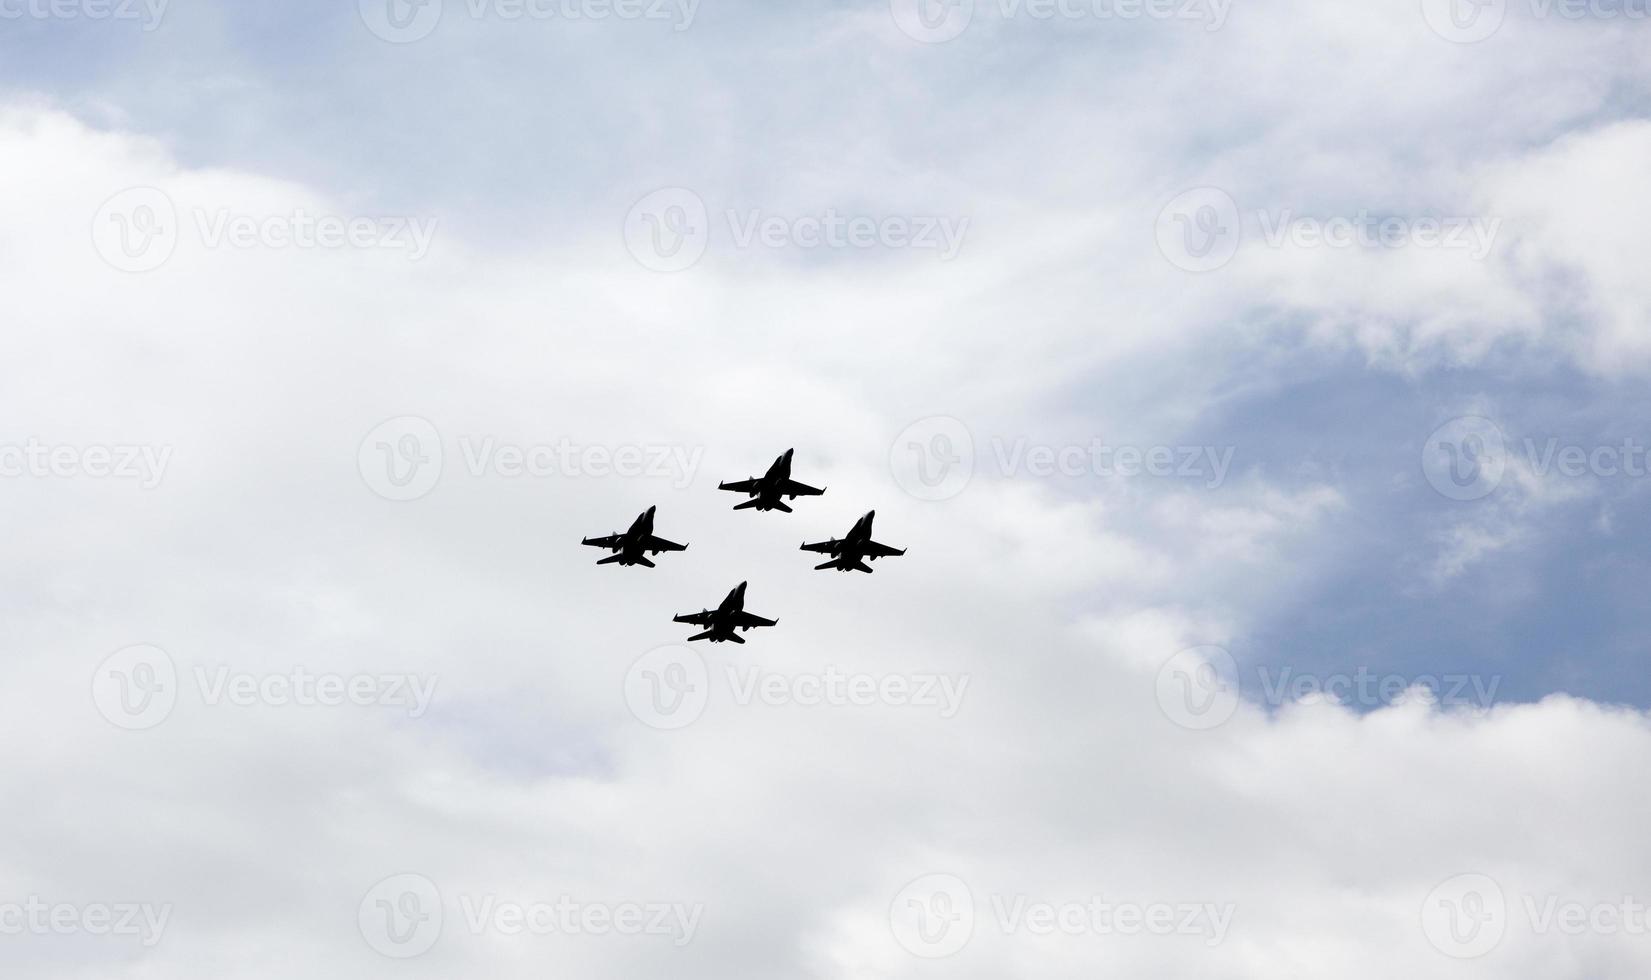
<point x="653" y="508"/>
<point x="870" y="514"/>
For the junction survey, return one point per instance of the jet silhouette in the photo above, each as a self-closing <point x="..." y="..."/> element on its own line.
<point x="849" y="554"/>
<point x="725" y="619"/>
<point x="631" y="545"/>
<point x="766" y="492"/>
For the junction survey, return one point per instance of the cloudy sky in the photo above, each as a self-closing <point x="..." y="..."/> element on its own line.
<point x="1258" y="387"/>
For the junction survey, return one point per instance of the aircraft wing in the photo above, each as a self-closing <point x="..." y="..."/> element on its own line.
<point x="610" y="541"/>
<point x="745" y="621"/>
<point x="695" y="619"/>
<point x="791" y="488"/>
<point x="875" y="550"/>
<point x="657" y="545"/>
<point x="740" y="486"/>
<point x="823" y="547"/>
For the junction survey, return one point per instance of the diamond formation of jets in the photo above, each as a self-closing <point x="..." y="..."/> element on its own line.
<point x="721" y="622"/>
<point x="850" y="553"/>
<point x="765" y="491"/>
<point x="633" y="547"/>
<point x="768" y="492"/>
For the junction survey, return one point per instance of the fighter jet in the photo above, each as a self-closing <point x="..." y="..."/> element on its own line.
<point x="721" y="623"/>
<point x="629" y="547"/>
<point x="850" y="553"/>
<point x="765" y="493"/>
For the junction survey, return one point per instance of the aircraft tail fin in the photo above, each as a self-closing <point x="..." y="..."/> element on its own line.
<point x="701" y="636"/>
<point x="781" y="506"/>
<point x="753" y="502"/>
<point x="611" y="559"/>
<point x="642" y="560"/>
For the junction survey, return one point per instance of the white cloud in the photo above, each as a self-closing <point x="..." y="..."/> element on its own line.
<point x="1061" y="780"/>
